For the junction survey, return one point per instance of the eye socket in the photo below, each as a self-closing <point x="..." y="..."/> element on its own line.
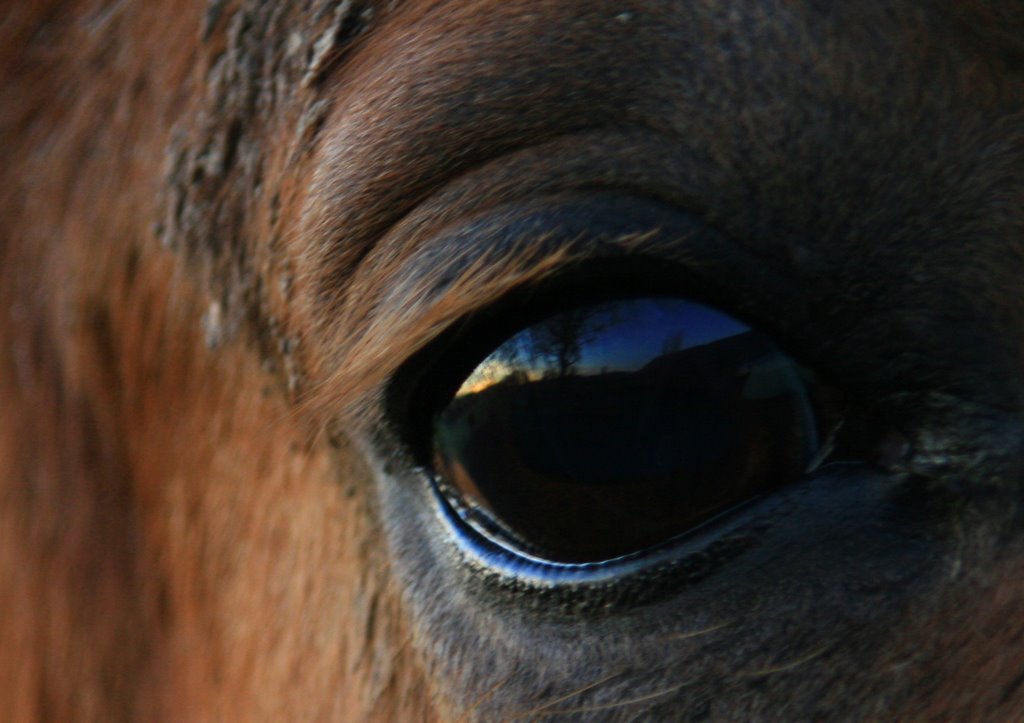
<point x="609" y="428"/>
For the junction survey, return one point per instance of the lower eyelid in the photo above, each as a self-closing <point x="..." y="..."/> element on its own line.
<point x="490" y="556"/>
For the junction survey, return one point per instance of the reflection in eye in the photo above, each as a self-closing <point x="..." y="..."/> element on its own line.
<point x="609" y="428"/>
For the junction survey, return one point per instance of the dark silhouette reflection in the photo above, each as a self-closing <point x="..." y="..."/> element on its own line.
<point x="610" y="428"/>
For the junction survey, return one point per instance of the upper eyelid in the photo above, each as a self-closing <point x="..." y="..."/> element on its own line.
<point x="472" y="265"/>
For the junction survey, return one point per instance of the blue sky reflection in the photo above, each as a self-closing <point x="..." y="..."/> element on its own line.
<point x="622" y="335"/>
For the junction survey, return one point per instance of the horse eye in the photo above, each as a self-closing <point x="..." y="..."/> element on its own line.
<point x="606" y="429"/>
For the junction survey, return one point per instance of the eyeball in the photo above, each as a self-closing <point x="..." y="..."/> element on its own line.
<point x="610" y="428"/>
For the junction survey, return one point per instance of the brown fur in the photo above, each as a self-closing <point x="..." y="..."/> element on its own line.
<point x="158" y="498"/>
<point x="227" y="225"/>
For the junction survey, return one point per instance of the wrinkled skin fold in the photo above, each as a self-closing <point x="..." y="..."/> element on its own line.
<point x="231" y="229"/>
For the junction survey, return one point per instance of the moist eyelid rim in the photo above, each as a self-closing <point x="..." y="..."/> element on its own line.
<point x="482" y="551"/>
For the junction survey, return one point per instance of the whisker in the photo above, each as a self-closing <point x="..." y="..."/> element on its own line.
<point x="543" y="710"/>
<point x="567" y="696"/>
<point x="485" y="696"/>
<point x="698" y="633"/>
<point x="622" y="703"/>
<point x="771" y="670"/>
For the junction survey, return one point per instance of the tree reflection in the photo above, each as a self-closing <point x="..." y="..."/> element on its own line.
<point x="557" y="344"/>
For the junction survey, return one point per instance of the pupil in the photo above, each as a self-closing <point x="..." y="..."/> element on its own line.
<point x="609" y="428"/>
